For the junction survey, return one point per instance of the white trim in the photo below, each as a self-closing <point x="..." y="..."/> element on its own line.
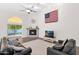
<point x="37" y="32"/>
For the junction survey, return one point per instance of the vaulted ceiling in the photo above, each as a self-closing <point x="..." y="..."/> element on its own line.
<point x="17" y="7"/>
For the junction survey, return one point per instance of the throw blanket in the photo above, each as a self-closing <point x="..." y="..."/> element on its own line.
<point x="4" y="43"/>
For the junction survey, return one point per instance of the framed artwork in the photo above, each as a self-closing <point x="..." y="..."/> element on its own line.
<point x="51" y="16"/>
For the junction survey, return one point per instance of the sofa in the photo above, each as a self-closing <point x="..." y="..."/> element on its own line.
<point x="15" y="50"/>
<point x="67" y="47"/>
<point x="11" y="51"/>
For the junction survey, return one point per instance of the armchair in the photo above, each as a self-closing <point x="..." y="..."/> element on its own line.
<point x="69" y="48"/>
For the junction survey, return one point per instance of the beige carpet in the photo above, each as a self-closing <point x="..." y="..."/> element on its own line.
<point x="77" y="50"/>
<point x="39" y="47"/>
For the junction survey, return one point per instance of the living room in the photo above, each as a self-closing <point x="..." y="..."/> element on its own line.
<point x="27" y="23"/>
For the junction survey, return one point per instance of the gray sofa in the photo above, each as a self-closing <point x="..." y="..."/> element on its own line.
<point x="12" y="51"/>
<point x="69" y="48"/>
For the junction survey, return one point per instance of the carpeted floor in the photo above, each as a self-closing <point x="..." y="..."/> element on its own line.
<point x="77" y="50"/>
<point x="27" y="39"/>
<point x="39" y="47"/>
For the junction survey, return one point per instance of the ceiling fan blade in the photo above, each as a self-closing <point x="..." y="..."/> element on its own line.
<point x="28" y="10"/>
<point x="24" y="7"/>
<point x="33" y="11"/>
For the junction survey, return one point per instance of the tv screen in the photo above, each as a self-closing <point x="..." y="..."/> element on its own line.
<point x="49" y="34"/>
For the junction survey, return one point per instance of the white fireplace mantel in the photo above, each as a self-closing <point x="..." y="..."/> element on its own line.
<point x="30" y="28"/>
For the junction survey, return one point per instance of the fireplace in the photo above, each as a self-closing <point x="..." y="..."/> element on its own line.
<point x="33" y="32"/>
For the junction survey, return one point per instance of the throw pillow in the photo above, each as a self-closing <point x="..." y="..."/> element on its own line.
<point x="68" y="46"/>
<point x="65" y="41"/>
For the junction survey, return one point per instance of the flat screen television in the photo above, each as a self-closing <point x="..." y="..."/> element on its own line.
<point x="49" y="34"/>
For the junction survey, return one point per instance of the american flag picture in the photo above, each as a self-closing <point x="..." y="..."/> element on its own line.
<point x="51" y="17"/>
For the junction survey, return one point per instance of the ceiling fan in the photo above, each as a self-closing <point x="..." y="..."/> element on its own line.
<point x="33" y="9"/>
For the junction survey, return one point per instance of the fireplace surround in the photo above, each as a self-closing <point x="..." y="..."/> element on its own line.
<point x="33" y="32"/>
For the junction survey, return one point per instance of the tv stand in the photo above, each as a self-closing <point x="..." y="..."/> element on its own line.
<point x="47" y="39"/>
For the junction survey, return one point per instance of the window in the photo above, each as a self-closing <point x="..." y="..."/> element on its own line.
<point x="14" y="29"/>
<point x="14" y="26"/>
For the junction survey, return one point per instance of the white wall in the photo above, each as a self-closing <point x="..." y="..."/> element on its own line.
<point x="28" y="22"/>
<point x="4" y="21"/>
<point x="9" y="10"/>
<point x="25" y="18"/>
<point x="67" y="25"/>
